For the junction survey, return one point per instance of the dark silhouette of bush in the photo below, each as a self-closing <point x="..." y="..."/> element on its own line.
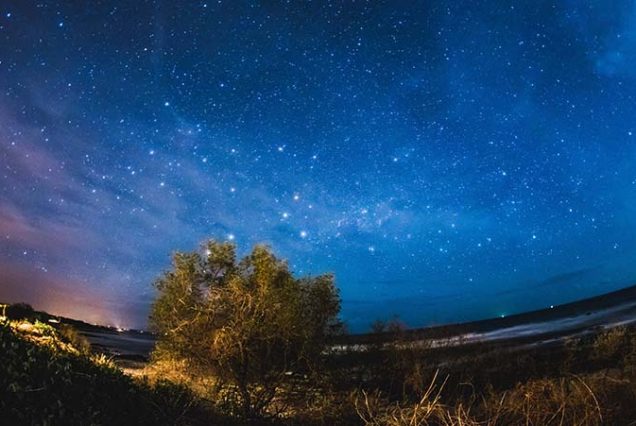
<point x="19" y="311"/>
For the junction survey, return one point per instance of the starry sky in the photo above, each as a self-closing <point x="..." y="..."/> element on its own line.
<point x="447" y="160"/>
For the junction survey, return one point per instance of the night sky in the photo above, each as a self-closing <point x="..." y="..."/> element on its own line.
<point x="447" y="160"/>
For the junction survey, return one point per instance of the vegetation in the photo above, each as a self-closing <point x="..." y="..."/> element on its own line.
<point x="249" y="323"/>
<point x="246" y="342"/>
<point x="588" y="381"/>
<point x="241" y="325"/>
<point x="19" y="311"/>
<point x="71" y="336"/>
<point x="46" y="381"/>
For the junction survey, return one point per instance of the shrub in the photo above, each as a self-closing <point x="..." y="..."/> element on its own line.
<point x="250" y="323"/>
<point x="19" y="311"/>
<point x="71" y="336"/>
<point x="612" y="344"/>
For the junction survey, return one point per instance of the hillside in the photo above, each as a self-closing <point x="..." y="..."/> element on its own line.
<point x="46" y="380"/>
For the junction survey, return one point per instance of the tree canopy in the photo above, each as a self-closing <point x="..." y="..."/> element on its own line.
<point x="249" y="322"/>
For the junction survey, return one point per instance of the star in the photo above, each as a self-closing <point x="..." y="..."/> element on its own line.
<point x="360" y="144"/>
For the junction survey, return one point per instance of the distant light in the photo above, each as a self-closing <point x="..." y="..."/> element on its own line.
<point x="231" y="237"/>
<point x="303" y="234"/>
<point x="296" y="197"/>
<point x="285" y="215"/>
<point x="166" y="103"/>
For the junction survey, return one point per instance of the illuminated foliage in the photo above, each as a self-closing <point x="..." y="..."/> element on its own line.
<point x="251" y="323"/>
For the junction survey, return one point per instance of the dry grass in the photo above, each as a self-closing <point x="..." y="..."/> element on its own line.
<point x="562" y="401"/>
<point x="178" y="371"/>
<point x="429" y="410"/>
<point x="566" y="401"/>
<point x="536" y="397"/>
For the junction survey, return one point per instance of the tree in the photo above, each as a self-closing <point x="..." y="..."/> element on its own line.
<point x="249" y="322"/>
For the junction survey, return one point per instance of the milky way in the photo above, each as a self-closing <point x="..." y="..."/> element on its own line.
<point x="447" y="160"/>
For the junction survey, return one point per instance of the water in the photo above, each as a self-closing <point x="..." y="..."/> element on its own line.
<point x="125" y="344"/>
